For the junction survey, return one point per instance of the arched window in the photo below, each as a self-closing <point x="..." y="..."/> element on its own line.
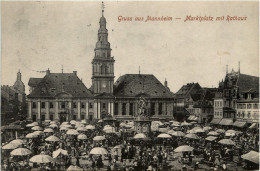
<point x="107" y="70"/>
<point x="102" y="69"/>
<point x="249" y="115"/>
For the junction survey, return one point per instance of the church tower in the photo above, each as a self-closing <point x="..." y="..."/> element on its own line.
<point x="19" y="85"/>
<point x="103" y="63"/>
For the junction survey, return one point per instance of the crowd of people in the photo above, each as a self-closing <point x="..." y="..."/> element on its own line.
<point x="126" y="151"/>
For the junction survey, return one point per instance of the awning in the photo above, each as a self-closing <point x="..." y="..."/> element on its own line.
<point x="240" y="124"/>
<point x="215" y="121"/>
<point x="254" y="125"/>
<point x="191" y="117"/>
<point x="226" y="122"/>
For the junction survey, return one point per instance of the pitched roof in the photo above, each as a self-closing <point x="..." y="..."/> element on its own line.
<point x="131" y="85"/>
<point x="248" y="83"/>
<point x="54" y="84"/>
<point x="34" y="81"/>
<point x="190" y="88"/>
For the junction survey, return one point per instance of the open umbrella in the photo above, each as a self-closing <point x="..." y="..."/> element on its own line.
<point x="191" y="136"/>
<point x="48" y="130"/>
<point x="67" y="126"/>
<point x="37" y="128"/>
<point x="220" y="131"/>
<point x="210" y="138"/>
<point x="52" y="138"/>
<point x="83" y="122"/>
<point x="73" y="122"/>
<point x="207" y="128"/>
<point x="41" y="158"/>
<point x="10" y="146"/>
<point x="98" y="150"/>
<point x="213" y="133"/>
<point x="100" y="121"/>
<point x="52" y="122"/>
<point x="252" y="156"/>
<point x="183" y="148"/>
<point x="30" y="125"/>
<point x="178" y="134"/>
<point x="140" y="136"/>
<point x="185" y="124"/>
<point x="53" y="126"/>
<point x="31" y="135"/>
<point x="20" y="152"/>
<point x="58" y="152"/>
<point x="38" y="133"/>
<point x="17" y="141"/>
<point x="90" y="127"/>
<point x="98" y="138"/>
<point x="64" y="128"/>
<point x="82" y="129"/>
<point x="82" y="137"/>
<point x="74" y="168"/>
<point x="227" y="142"/>
<point x="72" y="132"/>
<point x="64" y="123"/>
<point x="164" y="136"/>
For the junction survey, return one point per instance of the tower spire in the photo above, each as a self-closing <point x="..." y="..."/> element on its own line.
<point x="102" y="7"/>
<point x="239" y="67"/>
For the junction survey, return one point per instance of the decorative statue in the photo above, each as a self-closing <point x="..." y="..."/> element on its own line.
<point x="141" y="106"/>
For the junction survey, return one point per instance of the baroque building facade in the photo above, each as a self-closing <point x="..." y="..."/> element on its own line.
<point x="64" y="97"/>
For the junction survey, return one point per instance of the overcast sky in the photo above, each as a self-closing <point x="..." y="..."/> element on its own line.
<point x="41" y="35"/>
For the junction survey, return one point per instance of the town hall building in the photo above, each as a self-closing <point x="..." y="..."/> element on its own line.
<point x="64" y="97"/>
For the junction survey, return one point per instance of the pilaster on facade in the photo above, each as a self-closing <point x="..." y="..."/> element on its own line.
<point x="78" y="113"/>
<point x="56" y="114"/>
<point x="95" y="109"/>
<point x="87" y="110"/>
<point x="127" y="108"/>
<point x="47" y="110"/>
<point x="38" y="110"/>
<point x="157" y="108"/>
<point x="29" y="110"/>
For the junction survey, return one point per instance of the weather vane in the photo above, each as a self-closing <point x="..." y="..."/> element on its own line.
<point x="102" y="7"/>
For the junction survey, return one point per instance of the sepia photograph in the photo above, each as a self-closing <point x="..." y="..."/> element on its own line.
<point x="128" y="85"/>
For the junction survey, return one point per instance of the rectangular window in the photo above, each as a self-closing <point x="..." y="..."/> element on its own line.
<point x="63" y="105"/>
<point x="34" y="118"/>
<point x="116" y="109"/>
<point x="43" y="105"/>
<point x="82" y="105"/>
<point x="74" y="117"/>
<point x="42" y="117"/>
<point x="82" y="117"/>
<point x="74" y="105"/>
<point x="51" y="105"/>
<point x="90" y="105"/>
<point x="160" y="109"/>
<point x="34" y="105"/>
<point x="131" y="110"/>
<point x="104" y="105"/>
<point x="152" y="108"/>
<point x="123" y="108"/>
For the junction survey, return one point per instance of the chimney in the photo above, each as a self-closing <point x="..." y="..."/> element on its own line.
<point x="165" y="83"/>
<point x="75" y="72"/>
<point x="227" y="69"/>
<point x="48" y="72"/>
